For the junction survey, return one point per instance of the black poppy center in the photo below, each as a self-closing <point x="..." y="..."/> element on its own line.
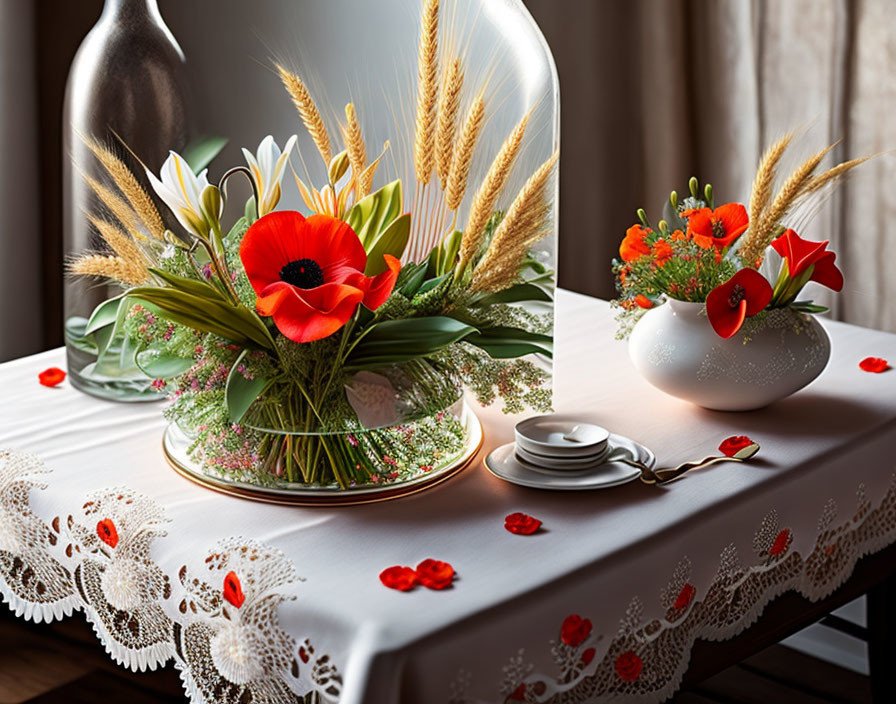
<point x="737" y="295"/>
<point x="718" y="229"/>
<point x="303" y="273"/>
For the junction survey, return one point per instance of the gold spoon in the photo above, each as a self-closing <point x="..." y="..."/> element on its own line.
<point x="668" y="474"/>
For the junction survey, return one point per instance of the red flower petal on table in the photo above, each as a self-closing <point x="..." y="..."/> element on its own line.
<point x="875" y="365"/>
<point x="800" y="254"/>
<point x="308" y="273"/>
<point x="782" y="542"/>
<point x="105" y="529"/>
<point x="643" y="301"/>
<point x="51" y="377"/>
<point x="233" y="590"/>
<point x="743" y="295"/>
<point x="401" y="578"/>
<point x="435" y="574"/>
<point x="575" y="630"/>
<point x="588" y="656"/>
<point x="731" y="446"/>
<point x="633" y="246"/>
<point x="717" y="228"/>
<point x="628" y="666"/>
<point x="685" y="596"/>
<point x="521" y="524"/>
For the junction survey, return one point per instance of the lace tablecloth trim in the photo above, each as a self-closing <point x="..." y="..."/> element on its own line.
<point x="225" y="637"/>
<point x="646" y="659"/>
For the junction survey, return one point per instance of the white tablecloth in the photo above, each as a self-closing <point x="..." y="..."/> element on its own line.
<point x="649" y="568"/>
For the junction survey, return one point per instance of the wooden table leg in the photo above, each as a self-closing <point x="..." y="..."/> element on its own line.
<point x="881" y="611"/>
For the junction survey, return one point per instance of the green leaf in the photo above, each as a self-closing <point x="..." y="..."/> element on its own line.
<point x="393" y="241"/>
<point x="446" y="252"/>
<point x="104" y="314"/>
<point x="193" y="286"/>
<point x="411" y="278"/>
<point x="201" y="151"/>
<point x="430" y="284"/>
<point x="502" y="342"/>
<point x="808" y="307"/>
<point x="250" y="212"/>
<point x="372" y="215"/>
<point x="205" y="313"/>
<point x="157" y="365"/>
<point x="394" y="341"/>
<point x="240" y="393"/>
<point x="515" y="294"/>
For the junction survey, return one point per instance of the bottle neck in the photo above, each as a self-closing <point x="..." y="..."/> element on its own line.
<point x="132" y="11"/>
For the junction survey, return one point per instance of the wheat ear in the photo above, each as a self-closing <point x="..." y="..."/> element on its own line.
<point x="449" y="111"/>
<point x="484" y="202"/>
<point x="763" y="183"/>
<point x="120" y="243"/>
<point x="108" y="267"/>
<point x="834" y="173"/>
<point x="791" y="190"/>
<point x="526" y="221"/>
<point x="463" y="154"/>
<point x="357" y="152"/>
<point x="427" y="92"/>
<point x="308" y="111"/>
<point x="127" y="183"/>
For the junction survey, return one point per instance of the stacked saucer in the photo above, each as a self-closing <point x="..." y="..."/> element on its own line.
<point x="554" y="444"/>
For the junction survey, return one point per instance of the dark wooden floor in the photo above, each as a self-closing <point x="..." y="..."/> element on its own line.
<point x="63" y="664"/>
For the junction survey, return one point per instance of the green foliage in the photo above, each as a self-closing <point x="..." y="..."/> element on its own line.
<point x="370" y="216"/>
<point x="393" y="240"/>
<point x="394" y="341"/>
<point x="201" y="151"/>
<point x="242" y="388"/>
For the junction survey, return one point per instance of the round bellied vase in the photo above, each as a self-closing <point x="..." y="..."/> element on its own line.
<point x="775" y="354"/>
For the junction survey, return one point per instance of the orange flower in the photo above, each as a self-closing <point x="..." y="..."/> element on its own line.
<point x="662" y="252"/>
<point x="678" y="236"/>
<point x="717" y="228"/>
<point x="633" y="246"/>
<point x="643" y="301"/>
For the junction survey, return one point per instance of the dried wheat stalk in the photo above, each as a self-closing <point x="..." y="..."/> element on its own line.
<point x="357" y="152"/>
<point x="487" y="196"/>
<point x="308" y="111"/>
<point x="834" y="173"/>
<point x="427" y="92"/>
<point x="463" y="154"/>
<point x="763" y="183"/>
<point x="127" y="183"/>
<point x="449" y="111"/>
<point x="108" y="267"/>
<point x="116" y="206"/>
<point x="527" y="220"/>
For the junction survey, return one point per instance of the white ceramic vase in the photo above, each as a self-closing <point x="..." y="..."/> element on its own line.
<point x="779" y="352"/>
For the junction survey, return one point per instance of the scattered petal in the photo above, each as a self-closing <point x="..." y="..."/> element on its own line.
<point x="105" y="529"/>
<point x="435" y="574"/>
<point x="731" y="446"/>
<point x="233" y="590"/>
<point x="875" y="365"/>
<point x="575" y="630"/>
<point x="628" y="666"/>
<point x="51" y="377"/>
<point x="521" y="524"/>
<point x="401" y="578"/>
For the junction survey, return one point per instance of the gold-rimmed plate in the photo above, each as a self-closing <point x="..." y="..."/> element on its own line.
<point x="176" y="443"/>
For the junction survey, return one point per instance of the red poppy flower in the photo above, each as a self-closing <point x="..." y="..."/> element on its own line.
<point x="731" y="446"/>
<point x="628" y="666"/>
<point x="743" y="295"/>
<point x="309" y="273"/>
<point x="401" y="578"/>
<point x="233" y="590"/>
<point x="643" y="301"/>
<point x="51" y="377"/>
<point x="685" y="596"/>
<point x="633" y="246"/>
<point x="662" y="252"/>
<point x="521" y="524"/>
<point x="781" y="543"/>
<point x="800" y="254"/>
<point x="575" y="630"/>
<point x="105" y="529"/>
<point x="435" y="574"/>
<point x="717" y="228"/>
<point x="875" y="365"/>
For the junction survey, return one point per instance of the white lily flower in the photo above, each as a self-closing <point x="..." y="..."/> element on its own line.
<point x="181" y="190"/>
<point x="267" y="167"/>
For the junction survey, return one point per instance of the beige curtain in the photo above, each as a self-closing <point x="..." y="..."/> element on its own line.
<point x="655" y="91"/>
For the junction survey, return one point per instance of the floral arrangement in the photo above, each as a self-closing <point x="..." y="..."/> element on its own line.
<point x="329" y="348"/>
<point x="741" y="263"/>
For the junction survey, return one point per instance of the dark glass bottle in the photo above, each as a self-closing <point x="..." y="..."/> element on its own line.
<point x="127" y="79"/>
